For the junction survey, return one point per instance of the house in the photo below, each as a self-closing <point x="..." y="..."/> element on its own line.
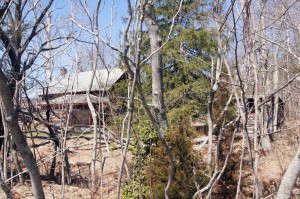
<point x="67" y="99"/>
<point x="78" y="83"/>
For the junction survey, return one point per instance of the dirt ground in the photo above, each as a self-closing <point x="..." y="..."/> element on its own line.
<point x="272" y="166"/>
<point x="79" y="153"/>
<point x="52" y="191"/>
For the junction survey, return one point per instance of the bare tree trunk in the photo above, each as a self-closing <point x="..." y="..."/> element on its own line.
<point x="266" y="112"/>
<point x="210" y="118"/>
<point x="215" y="78"/>
<point x="18" y="166"/>
<point x="130" y="88"/>
<point x="15" y="45"/>
<point x="129" y="126"/>
<point x="49" y="70"/>
<point x="238" y="189"/>
<point x="11" y="164"/>
<point x="102" y="158"/>
<point x="276" y="98"/>
<point x="289" y="178"/>
<point x="1" y="130"/>
<point x="52" y="133"/>
<point x="65" y="165"/>
<point x="5" y="142"/>
<point x="256" y="156"/>
<point x="6" y="190"/>
<point x="53" y="162"/>
<point x="95" y="140"/>
<point x="157" y="87"/>
<point x="19" y="139"/>
<point x="249" y="43"/>
<point x="89" y="102"/>
<point x="157" y="68"/>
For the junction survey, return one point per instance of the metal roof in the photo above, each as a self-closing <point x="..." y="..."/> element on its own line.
<point x="78" y="99"/>
<point x="103" y="80"/>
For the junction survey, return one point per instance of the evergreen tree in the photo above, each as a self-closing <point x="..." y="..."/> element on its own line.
<point x="186" y="58"/>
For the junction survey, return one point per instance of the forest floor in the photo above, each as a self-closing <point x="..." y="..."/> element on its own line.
<point x="79" y="154"/>
<point x="272" y="166"/>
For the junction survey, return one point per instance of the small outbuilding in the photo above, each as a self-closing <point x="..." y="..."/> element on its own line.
<point x="66" y="96"/>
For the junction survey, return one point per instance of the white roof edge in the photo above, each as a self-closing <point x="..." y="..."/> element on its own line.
<point x="78" y="82"/>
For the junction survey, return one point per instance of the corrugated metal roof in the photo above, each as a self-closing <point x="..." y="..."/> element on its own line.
<point x="103" y="80"/>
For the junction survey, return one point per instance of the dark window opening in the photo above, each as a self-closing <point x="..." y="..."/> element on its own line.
<point x="250" y="105"/>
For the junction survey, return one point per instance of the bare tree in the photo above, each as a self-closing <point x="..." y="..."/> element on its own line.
<point x="15" y="46"/>
<point x="215" y="76"/>
<point x="289" y="179"/>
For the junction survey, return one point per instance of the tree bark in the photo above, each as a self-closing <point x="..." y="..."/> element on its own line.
<point x="160" y="120"/>
<point x="1" y="131"/>
<point x="289" y="179"/>
<point x="89" y="102"/>
<point x="6" y="190"/>
<point x="215" y="80"/>
<point x="157" y="67"/>
<point x="49" y="70"/>
<point x="251" y="61"/>
<point x="19" y="138"/>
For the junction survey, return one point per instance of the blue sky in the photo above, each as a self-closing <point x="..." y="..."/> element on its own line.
<point x="63" y="9"/>
<point x="119" y="11"/>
